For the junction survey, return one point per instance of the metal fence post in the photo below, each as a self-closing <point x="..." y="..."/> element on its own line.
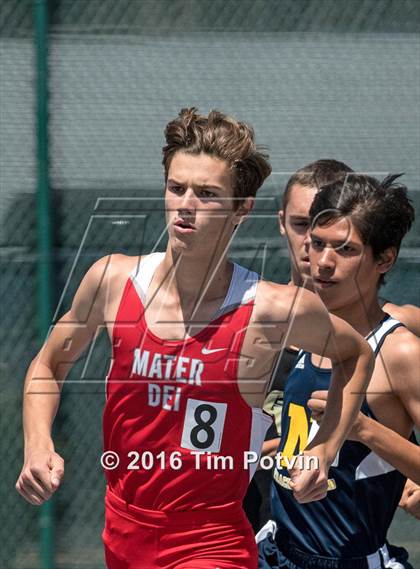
<point x="44" y="234"/>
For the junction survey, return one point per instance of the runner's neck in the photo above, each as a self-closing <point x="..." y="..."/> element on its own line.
<point x="190" y="281"/>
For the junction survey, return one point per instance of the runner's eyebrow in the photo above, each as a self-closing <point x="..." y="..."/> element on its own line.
<point x="346" y="243"/>
<point x="208" y="187"/>
<point x="198" y="186"/>
<point x="337" y="244"/>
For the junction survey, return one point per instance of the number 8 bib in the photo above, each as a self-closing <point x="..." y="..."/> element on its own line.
<point x="203" y="425"/>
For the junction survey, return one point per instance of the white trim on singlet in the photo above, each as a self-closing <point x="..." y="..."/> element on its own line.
<point x="372" y="464"/>
<point x="242" y="287"/>
<point x="260" y="424"/>
<point x="375" y="339"/>
<point x="142" y="273"/>
<point x="141" y="276"/>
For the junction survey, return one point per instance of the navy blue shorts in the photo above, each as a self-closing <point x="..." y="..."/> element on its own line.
<point x="271" y="557"/>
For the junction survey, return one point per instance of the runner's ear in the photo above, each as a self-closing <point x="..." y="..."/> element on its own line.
<point x="244" y="209"/>
<point x="387" y="259"/>
<point x="282" y="220"/>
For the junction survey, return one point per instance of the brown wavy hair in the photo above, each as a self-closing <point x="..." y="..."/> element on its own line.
<point x="315" y="175"/>
<point x="223" y="137"/>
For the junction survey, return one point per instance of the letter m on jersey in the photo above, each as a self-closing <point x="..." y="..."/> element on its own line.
<point x="297" y="436"/>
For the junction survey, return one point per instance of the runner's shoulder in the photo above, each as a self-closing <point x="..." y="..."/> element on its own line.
<point x="401" y="349"/>
<point x="112" y="267"/>
<point x="277" y="302"/>
<point x="106" y="277"/>
<point x="408" y="314"/>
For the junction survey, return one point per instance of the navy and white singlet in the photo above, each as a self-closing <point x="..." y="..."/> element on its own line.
<point x="364" y="490"/>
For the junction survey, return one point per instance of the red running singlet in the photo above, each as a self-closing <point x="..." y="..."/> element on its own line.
<point x="181" y="430"/>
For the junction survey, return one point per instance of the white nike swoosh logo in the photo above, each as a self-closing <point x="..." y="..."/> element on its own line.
<point x="206" y="351"/>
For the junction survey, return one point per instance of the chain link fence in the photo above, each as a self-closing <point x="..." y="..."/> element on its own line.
<point x="316" y="78"/>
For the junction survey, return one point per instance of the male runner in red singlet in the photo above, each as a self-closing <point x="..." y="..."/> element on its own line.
<point x="194" y="341"/>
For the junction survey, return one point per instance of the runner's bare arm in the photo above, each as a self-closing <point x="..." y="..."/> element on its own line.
<point x="392" y="447"/>
<point x="401" y="453"/>
<point x="385" y="442"/>
<point x="303" y="318"/>
<point x="308" y="325"/>
<point x="401" y="352"/>
<point x="270" y="447"/>
<point x="44" y="380"/>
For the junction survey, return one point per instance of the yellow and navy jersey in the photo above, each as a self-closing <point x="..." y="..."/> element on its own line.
<point x="363" y="489"/>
